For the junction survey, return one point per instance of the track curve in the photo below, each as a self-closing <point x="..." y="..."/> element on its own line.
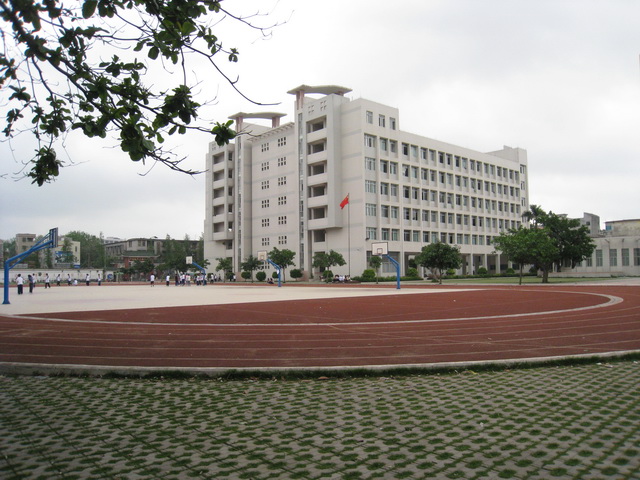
<point x="429" y="326"/>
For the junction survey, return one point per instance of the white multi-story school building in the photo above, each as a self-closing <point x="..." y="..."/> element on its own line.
<point x="282" y="185"/>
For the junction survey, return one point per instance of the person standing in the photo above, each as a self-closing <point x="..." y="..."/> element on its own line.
<point x="69" y="279"/>
<point x="20" y="283"/>
<point x="168" y="279"/>
<point x="99" y="279"/>
<point x="47" y="281"/>
<point x="58" y="280"/>
<point x="32" y="282"/>
<point x="152" y="279"/>
<point x="87" y="279"/>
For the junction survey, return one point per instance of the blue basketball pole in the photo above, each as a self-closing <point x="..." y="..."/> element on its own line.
<point x="279" y="270"/>
<point x="48" y="241"/>
<point x="397" y="265"/>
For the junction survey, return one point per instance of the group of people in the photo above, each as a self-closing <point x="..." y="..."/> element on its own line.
<point x="184" y="279"/>
<point x="341" y="278"/>
<point x="32" y="280"/>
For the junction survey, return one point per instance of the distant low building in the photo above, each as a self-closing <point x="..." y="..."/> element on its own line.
<point x="125" y="253"/>
<point x="617" y="251"/>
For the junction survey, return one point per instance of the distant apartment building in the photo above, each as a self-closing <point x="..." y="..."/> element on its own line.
<point x="24" y="241"/>
<point x="283" y="185"/>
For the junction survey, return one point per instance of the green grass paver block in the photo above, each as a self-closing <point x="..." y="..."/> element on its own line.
<point x="554" y="422"/>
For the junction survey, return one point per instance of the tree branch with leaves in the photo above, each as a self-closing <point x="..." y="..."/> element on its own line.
<point x="86" y="68"/>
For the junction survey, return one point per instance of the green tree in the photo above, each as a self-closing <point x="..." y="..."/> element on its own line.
<point x="528" y="246"/>
<point x="84" y="66"/>
<point x="67" y="250"/>
<point x="324" y="260"/>
<point x="91" y="249"/>
<point x="283" y="258"/>
<point x="439" y="257"/>
<point x="570" y="239"/>
<point x="225" y="264"/>
<point x="375" y="262"/>
<point x="250" y="265"/>
<point x="296" y="273"/>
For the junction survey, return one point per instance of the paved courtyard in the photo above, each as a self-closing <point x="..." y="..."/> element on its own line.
<point x="570" y="422"/>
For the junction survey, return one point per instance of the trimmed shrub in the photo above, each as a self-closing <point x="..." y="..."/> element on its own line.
<point x="296" y="273"/>
<point x="412" y="273"/>
<point x="369" y="275"/>
<point x="261" y="276"/>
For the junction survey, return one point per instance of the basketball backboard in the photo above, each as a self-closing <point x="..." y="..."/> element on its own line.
<point x="379" y="248"/>
<point x="262" y="255"/>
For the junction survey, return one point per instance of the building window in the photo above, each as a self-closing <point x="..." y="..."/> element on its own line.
<point x="392" y="123"/>
<point x="265" y="222"/>
<point x="406" y="213"/>
<point x="282" y="200"/>
<point x="282" y="220"/>
<point x="393" y="146"/>
<point x="372" y="233"/>
<point x="282" y="161"/>
<point x="265" y="203"/>
<point x="625" y="257"/>
<point x="393" y="168"/>
<point x="370" y="186"/>
<point x="264" y="166"/>
<point x="265" y="147"/>
<point x="405" y="149"/>
<point x="384" y="166"/>
<point x="384" y="188"/>
<point x="415" y="236"/>
<point x="369" y="141"/>
<point x="381" y="121"/>
<point x="369" y="117"/>
<point x="384" y="234"/>
<point x="395" y="235"/>
<point x="282" y="141"/>
<point x="370" y="163"/>
<point x="282" y="181"/>
<point x="613" y="257"/>
<point x="264" y="184"/>
<point x="384" y="211"/>
<point x="393" y="190"/>
<point x="265" y="241"/>
<point x="394" y="212"/>
<point x="636" y="257"/>
<point x="282" y="239"/>
<point x="598" y="258"/>
<point x="371" y="210"/>
<point x="407" y="235"/>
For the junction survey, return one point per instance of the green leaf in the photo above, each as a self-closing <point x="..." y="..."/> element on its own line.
<point x="89" y="8"/>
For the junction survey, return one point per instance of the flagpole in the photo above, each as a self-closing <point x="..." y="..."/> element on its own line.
<point x="349" y="236"/>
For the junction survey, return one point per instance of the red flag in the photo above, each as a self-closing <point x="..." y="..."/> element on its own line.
<point x="344" y="202"/>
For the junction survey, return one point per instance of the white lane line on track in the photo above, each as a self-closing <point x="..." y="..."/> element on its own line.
<point x="612" y="300"/>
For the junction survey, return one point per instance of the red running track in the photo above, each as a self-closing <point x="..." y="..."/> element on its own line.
<point x="488" y="323"/>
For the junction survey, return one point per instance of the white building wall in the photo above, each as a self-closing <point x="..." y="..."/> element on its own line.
<point x="405" y="189"/>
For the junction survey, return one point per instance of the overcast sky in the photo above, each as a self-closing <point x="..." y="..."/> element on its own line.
<point x="560" y="79"/>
